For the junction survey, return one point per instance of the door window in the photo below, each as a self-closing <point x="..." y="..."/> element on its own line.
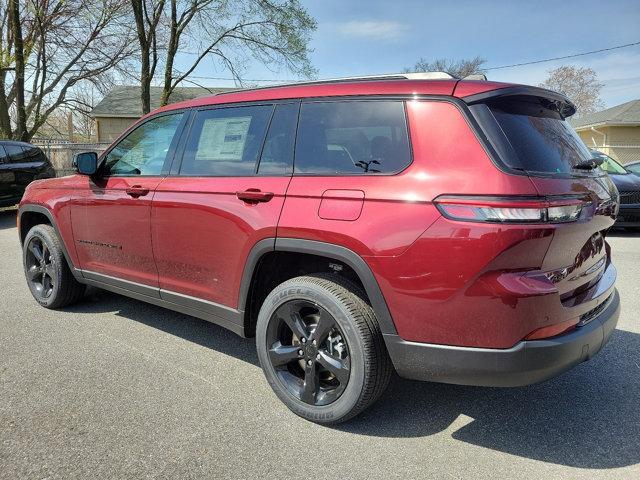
<point x="277" y="153"/>
<point x="352" y="137"/>
<point x="16" y="153"/>
<point x="145" y="149"/>
<point x="226" y="142"/>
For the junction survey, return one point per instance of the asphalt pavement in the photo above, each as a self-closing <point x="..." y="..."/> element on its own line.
<point x="115" y="388"/>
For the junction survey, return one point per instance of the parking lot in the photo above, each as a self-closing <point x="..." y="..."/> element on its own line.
<point x="115" y="388"/>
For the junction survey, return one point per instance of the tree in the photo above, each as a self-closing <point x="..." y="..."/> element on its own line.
<point x="49" y="48"/>
<point x="230" y="32"/>
<point x="147" y="15"/>
<point x="579" y="84"/>
<point x="457" y="68"/>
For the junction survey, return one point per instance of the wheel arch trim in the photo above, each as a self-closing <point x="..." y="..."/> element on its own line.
<point x="322" y="249"/>
<point x="47" y="213"/>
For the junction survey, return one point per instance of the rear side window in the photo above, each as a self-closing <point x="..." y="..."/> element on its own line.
<point x="541" y="139"/>
<point x="31" y="153"/>
<point x="226" y="142"/>
<point x="352" y="137"/>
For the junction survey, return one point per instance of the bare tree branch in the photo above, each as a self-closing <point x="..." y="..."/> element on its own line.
<point x="579" y="84"/>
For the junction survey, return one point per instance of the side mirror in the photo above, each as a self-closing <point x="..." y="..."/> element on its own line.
<point x="86" y="163"/>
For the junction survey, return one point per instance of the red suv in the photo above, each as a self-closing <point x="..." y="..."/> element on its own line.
<point x="452" y="230"/>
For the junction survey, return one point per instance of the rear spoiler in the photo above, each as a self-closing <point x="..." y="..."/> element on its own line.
<point x="563" y="105"/>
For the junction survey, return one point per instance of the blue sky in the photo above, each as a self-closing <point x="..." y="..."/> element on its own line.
<point x="370" y="37"/>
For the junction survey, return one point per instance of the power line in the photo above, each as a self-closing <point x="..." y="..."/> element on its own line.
<point x="245" y="79"/>
<point x="562" y="58"/>
<point x="486" y="69"/>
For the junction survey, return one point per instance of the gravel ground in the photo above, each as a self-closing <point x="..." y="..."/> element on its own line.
<point x="114" y="388"/>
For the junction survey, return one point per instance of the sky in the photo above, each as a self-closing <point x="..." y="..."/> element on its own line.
<point x="365" y="37"/>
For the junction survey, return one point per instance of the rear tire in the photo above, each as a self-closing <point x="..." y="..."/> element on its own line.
<point x="48" y="275"/>
<point x="321" y="348"/>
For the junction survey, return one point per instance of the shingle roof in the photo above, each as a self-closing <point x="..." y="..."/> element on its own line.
<point x="125" y="101"/>
<point x="625" y="114"/>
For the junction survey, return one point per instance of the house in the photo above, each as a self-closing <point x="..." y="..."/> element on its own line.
<point x="122" y="106"/>
<point x="614" y="131"/>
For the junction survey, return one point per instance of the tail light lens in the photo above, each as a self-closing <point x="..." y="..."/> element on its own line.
<point x="510" y="209"/>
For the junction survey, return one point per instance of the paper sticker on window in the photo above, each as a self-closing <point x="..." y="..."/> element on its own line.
<point x="223" y="139"/>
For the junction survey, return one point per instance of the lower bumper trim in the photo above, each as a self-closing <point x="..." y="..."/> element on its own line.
<point x="526" y="363"/>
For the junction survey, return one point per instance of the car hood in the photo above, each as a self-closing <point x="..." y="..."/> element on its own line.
<point x="625" y="183"/>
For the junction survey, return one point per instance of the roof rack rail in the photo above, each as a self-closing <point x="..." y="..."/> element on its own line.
<point x="386" y="76"/>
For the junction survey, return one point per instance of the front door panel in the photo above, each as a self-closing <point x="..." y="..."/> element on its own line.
<point x="112" y="230"/>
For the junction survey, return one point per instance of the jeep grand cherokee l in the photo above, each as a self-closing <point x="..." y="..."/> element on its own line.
<point x="452" y="230"/>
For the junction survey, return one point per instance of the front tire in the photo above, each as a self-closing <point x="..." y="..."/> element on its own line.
<point x="321" y="348"/>
<point x="48" y="276"/>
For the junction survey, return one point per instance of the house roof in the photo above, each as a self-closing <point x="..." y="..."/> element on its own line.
<point x="125" y="101"/>
<point x="625" y="114"/>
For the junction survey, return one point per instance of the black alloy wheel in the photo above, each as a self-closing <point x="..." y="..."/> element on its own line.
<point x="321" y="348"/>
<point x="308" y="352"/>
<point x="48" y="275"/>
<point x="40" y="269"/>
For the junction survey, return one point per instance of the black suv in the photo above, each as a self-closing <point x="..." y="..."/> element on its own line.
<point x="20" y="164"/>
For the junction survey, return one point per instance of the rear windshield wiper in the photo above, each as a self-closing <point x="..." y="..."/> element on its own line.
<point x="588" y="164"/>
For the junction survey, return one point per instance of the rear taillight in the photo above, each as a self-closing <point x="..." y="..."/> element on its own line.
<point x="510" y="209"/>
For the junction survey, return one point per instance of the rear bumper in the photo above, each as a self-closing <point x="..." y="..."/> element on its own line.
<point x="526" y="363"/>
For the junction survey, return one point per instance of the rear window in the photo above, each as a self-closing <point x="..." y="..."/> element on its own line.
<point x="541" y="139"/>
<point x="352" y="137"/>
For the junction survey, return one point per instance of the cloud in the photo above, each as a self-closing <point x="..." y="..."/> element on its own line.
<point x="374" y="29"/>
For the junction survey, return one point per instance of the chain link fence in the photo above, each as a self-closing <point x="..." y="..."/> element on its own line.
<point x="622" y="152"/>
<point x="61" y="152"/>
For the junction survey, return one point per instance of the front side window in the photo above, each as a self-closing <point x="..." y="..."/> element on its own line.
<point x="352" y="137"/>
<point x="145" y="149"/>
<point x="4" y="157"/>
<point x="16" y="153"/>
<point x="226" y="142"/>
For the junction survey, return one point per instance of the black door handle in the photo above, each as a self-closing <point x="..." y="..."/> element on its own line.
<point x="254" y="195"/>
<point x="137" y="191"/>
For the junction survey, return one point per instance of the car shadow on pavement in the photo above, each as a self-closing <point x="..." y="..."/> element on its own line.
<point x="618" y="232"/>
<point x="8" y="218"/>
<point x="588" y="417"/>
<point x="189" y="328"/>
